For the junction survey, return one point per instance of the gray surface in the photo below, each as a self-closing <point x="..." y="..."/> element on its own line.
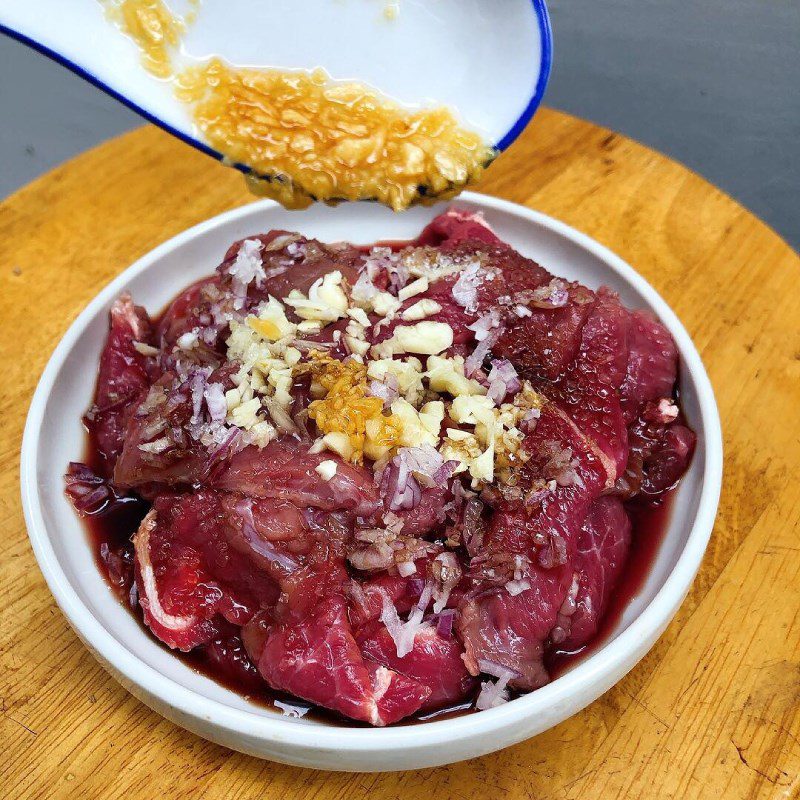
<point x="713" y="83"/>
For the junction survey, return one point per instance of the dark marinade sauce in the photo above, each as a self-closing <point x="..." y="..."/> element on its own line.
<point x="649" y="522"/>
<point x="224" y="660"/>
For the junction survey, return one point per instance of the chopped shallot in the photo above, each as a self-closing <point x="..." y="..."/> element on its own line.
<point x="563" y="467"/>
<point x="465" y="289"/>
<point x="215" y="402"/>
<point x="445" y="472"/>
<point x="197" y="385"/>
<point x="503" y="380"/>
<point x="424" y="462"/>
<point x="363" y="289"/>
<point x="475" y="359"/>
<point x="473" y="527"/>
<point x="494" y="693"/>
<point x="399" y="485"/>
<point x="484" y="324"/>
<point x="398" y="273"/>
<point x="230" y="445"/>
<point x="404" y="633"/>
<point x="552" y="295"/>
<point x="88" y="491"/>
<point x="448" y="573"/>
<point x="444" y="627"/>
<point x="387" y="389"/>
<point x="528" y="423"/>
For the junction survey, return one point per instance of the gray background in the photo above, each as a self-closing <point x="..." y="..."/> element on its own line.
<point x="713" y="83"/>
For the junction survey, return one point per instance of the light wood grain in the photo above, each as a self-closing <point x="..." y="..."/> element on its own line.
<point x="712" y="712"/>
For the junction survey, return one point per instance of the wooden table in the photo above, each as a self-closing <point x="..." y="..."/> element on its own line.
<point x="713" y="711"/>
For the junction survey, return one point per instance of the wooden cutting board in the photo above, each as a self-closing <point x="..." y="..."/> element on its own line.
<point x="712" y="711"/>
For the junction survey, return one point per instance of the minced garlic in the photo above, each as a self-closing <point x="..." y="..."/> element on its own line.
<point x="447" y="375"/>
<point x="271" y="322"/>
<point x="304" y="136"/>
<point x="493" y="449"/>
<point x="416" y="287"/>
<point x="421" y="309"/>
<point x="154" y="28"/>
<point x="351" y="422"/>
<point x="425" y="338"/>
<point x="326" y="469"/>
<point x="326" y="301"/>
<point x="417" y="428"/>
<point x="383" y="304"/>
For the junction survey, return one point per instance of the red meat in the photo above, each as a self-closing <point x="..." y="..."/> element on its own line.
<point x="312" y="583"/>
<point x="435" y="661"/>
<point x="285" y="469"/>
<point x="122" y="378"/>
<point x="318" y="659"/>
<point x="600" y="554"/>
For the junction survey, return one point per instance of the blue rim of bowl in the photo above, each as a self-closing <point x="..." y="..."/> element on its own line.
<point x="545" y="65"/>
<point x="545" y="35"/>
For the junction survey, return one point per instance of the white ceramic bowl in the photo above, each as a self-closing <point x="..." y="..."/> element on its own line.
<point x="496" y="83"/>
<point x="54" y="436"/>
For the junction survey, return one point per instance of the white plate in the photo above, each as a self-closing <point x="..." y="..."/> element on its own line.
<point x="54" y="436"/>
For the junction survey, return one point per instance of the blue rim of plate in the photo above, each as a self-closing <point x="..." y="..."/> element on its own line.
<point x="545" y="36"/>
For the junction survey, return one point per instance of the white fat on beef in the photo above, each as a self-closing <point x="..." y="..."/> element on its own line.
<point x="141" y="544"/>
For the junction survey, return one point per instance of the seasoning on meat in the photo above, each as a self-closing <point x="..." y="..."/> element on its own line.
<point x="440" y="505"/>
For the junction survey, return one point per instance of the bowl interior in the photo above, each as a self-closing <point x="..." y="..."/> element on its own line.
<point x="156" y="278"/>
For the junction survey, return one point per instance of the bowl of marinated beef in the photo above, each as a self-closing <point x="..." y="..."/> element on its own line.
<point x="378" y="493"/>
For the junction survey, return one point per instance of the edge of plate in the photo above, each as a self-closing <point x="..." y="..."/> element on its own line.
<point x="608" y="660"/>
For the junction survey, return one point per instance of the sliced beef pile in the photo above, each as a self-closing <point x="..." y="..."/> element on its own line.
<point x="612" y="431"/>
<point x="330" y="587"/>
